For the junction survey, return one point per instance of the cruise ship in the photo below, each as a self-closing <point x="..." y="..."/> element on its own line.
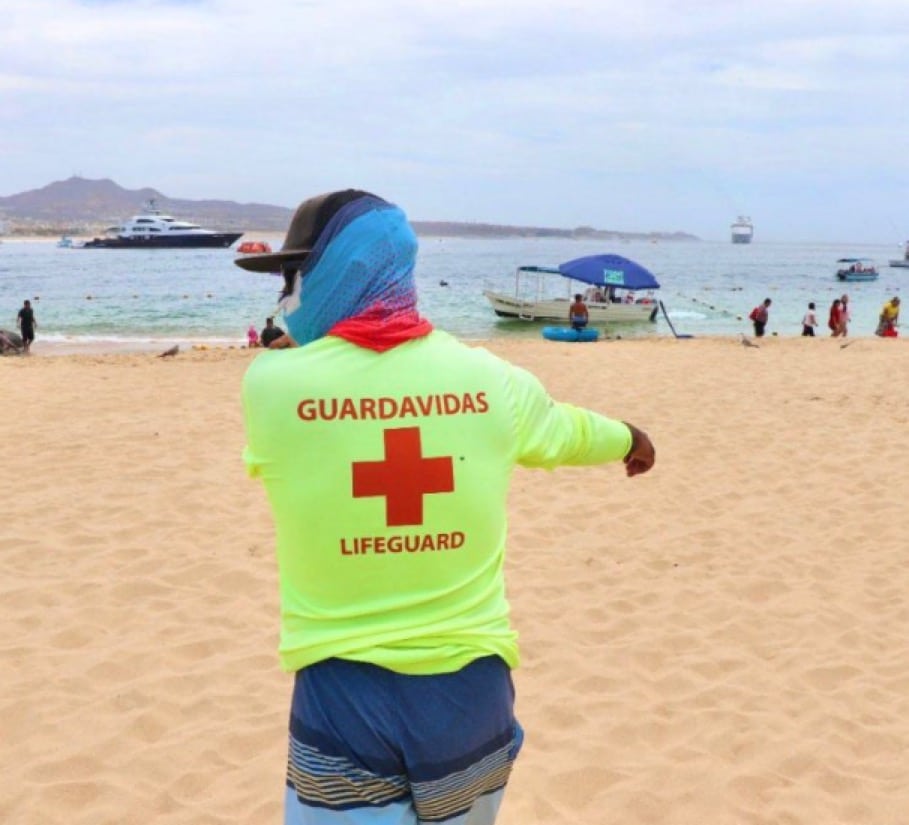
<point x="742" y="230"/>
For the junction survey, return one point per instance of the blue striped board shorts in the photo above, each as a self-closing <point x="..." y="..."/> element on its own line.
<point x="369" y="746"/>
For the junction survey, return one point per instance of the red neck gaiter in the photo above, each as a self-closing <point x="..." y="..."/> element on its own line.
<point x="379" y="330"/>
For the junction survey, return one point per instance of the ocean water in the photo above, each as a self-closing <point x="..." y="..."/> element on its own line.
<point x="109" y="299"/>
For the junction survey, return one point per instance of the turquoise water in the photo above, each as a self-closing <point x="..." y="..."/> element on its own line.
<point x="115" y="299"/>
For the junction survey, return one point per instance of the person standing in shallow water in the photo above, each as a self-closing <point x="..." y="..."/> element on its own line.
<point x="759" y="317"/>
<point x="845" y="316"/>
<point x="809" y="322"/>
<point x="27" y="324"/>
<point x="390" y="524"/>
<point x="835" y="320"/>
<point x="888" y="318"/>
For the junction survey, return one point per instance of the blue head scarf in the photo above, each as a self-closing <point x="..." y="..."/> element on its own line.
<point x="362" y="261"/>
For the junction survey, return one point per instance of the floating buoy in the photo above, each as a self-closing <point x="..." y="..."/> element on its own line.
<point x="570" y="334"/>
<point x="253" y="247"/>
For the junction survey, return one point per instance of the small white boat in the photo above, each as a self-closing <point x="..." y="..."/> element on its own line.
<point x="615" y="290"/>
<point x="65" y="242"/>
<point x="856" y="269"/>
<point x="904" y="261"/>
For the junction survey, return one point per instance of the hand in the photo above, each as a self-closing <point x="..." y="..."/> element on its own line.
<point x="641" y="455"/>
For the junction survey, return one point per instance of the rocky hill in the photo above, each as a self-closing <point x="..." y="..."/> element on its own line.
<point x="78" y="206"/>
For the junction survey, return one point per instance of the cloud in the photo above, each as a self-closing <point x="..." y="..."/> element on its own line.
<point x="481" y="109"/>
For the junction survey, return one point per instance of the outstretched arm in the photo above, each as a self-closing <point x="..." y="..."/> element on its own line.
<point x="641" y="456"/>
<point x="552" y="434"/>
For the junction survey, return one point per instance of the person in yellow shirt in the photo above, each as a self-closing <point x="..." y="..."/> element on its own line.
<point x="888" y="318"/>
<point x="386" y="448"/>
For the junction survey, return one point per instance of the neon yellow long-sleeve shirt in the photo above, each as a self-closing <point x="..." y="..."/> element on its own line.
<point x="387" y="475"/>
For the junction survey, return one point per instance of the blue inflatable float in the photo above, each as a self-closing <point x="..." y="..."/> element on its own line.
<point x="570" y="334"/>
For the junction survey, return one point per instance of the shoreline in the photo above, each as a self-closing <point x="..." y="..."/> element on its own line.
<point x="146" y="346"/>
<point x="125" y="347"/>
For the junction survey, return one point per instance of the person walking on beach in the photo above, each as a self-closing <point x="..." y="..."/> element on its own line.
<point x="26" y="322"/>
<point x="386" y="448"/>
<point x="809" y="322"/>
<point x="835" y="319"/>
<point x="845" y="316"/>
<point x="890" y="313"/>
<point x="578" y="314"/>
<point x="759" y="317"/>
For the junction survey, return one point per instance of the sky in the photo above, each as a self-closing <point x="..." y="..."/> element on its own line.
<point x="638" y="115"/>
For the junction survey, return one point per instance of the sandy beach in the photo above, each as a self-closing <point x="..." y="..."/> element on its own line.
<point x="723" y="640"/>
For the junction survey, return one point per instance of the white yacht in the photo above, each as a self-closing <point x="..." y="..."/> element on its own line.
<point x="152" y="230"/>
<point x="742" y="230"/>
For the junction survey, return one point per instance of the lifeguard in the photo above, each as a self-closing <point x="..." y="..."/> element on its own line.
<point x="386" y="449"/>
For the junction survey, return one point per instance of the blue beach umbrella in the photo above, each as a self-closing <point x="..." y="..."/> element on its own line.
<point x="609" y="270"/>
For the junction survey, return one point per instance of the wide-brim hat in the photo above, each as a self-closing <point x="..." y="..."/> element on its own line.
<point x="311" y="217"/>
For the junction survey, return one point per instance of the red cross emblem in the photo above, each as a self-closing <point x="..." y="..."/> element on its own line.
<point x="404" y="477"/>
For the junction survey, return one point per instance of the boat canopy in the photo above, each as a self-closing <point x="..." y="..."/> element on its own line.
<point x="603" y="270"/>
<point x="854" y="260"/>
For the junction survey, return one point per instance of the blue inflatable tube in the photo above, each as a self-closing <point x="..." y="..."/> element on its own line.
<point x="570" y="334"/>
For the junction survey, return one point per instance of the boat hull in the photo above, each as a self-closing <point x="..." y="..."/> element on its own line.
<point x="741" y="238"/>
<point x="856" y="276"/>
<point x="903" y="263"/>
<point x="215" y="240"/>
<point x="556" y="309"/>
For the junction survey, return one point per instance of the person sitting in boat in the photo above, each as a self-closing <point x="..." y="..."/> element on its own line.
<point x="577" y="313"/>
